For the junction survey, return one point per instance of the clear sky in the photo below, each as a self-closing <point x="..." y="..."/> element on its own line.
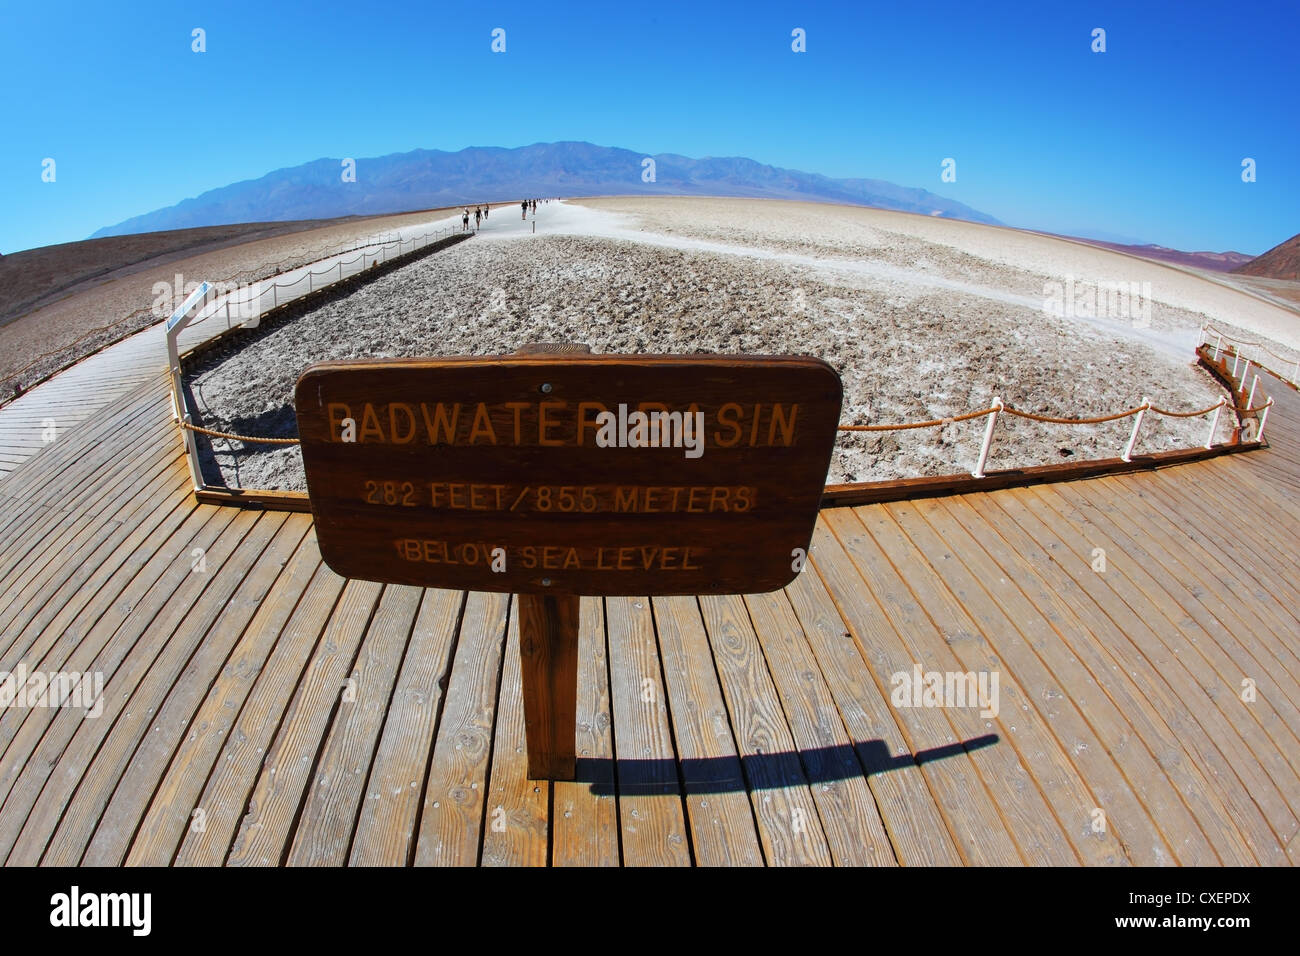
<point x="1144" y="141"/>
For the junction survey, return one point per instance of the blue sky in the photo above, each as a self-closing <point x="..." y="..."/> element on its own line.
<point x="1144" y="141"/>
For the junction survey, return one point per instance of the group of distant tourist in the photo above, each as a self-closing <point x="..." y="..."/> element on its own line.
<point x="481" y="213"/>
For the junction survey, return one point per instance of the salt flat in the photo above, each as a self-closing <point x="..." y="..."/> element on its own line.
<point x="923" y="318"/>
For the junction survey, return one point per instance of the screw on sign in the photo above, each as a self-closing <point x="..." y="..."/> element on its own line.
<point x="554" y="473"/>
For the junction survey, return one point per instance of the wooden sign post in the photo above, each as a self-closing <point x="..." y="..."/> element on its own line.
<point x="552" y="474"/>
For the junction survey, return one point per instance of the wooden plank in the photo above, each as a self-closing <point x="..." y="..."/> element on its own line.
<point x="1086" y="778"/>
<point x="910" y="489"/>
<point x="74" y="566"/>
<point x="651" y="821"/>
<point x="99" y="650"/>
<point x="96" y="503"/>
<point x="1201" y="731"/>
<point x="584" y="818"/>
<point x="386" y="826"/>
<point x="962" y="794"/>
<point x="300" y="601"/>
<point x="1225" y="555"/>
<point x="323" y="834"/>
<point x="100" y="751"/>
<point x="1154" y="794"/>
<point x="548" y="641"/>
<point x="92" y="471"/>
<point x="855" y="833"/>
<point x="168" y="597"/>
<point x="1264" y="572"/>
<point x="451" y="822"/>
<point x="1202" y="659"/>
<point x="916" y="828"/>
<point x="130" y="799"/>
<point x="717" y="805"/>
<point x="226" y="790"/>
<point x="1254" y="630"/>
<point x="1220" y="653"/>
<point x="518" y="803"/>
<point x="54" y="458"/>
<point x="80" y="614"/>
<point x="784" y="808"/>
<point x="87" y="449"/>
<point x="975" y="631"/>
<point x="277" y="500"/>
<point x="283" y="776"/>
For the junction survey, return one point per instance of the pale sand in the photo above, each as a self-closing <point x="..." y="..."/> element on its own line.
<point x="920" y="322"/>
<point x="860" y="233"/>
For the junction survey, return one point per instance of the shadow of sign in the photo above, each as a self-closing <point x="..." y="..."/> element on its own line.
<point x="735" y="774"/>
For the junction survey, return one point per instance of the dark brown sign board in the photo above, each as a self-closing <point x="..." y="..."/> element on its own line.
<point x="569" y="474"/>
<point x="552" y="474"/>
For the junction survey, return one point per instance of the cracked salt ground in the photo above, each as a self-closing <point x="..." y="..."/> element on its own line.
<point x="908" y="345"/>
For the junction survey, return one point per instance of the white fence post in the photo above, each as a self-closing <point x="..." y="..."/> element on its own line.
<point x="1236" y="360"/>
<point x="1132" y="439"/>
<point x="1245" y="373"/>
<point x="1218" y="345"/>
<point x="988" y="438"/>
<point x="192" y="455"/>
<point x="1214" y="423"/>
<point x="1250" y="402"/>
<point x="1263" y="420"/>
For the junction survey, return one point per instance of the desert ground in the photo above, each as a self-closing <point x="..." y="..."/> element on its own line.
<point x="923" y="318"/>
<point x="50" y="298"/>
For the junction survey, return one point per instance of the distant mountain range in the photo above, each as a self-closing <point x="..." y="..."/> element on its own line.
<point x="1213" y="261"/>
<point x="427" y="178"/>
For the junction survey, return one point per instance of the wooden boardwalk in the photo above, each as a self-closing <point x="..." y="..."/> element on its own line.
<point x="39" y="418"/>
<point x="257" y="709"/>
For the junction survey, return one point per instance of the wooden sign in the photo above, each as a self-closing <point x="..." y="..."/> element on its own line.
<point x="569" y="474"/>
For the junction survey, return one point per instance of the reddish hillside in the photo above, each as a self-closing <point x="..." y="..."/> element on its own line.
<point x="1280" y="262"/>
<point x="1214" y="261"/>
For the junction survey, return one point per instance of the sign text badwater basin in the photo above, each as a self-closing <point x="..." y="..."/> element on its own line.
<point x="594" y="474"/>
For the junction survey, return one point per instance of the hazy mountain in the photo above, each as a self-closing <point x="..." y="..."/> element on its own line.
<point x="1280" y="262"/>
<point x="425" y="178"/>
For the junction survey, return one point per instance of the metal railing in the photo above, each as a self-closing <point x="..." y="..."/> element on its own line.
<point x="366" y="257"/>
<point x="206" y="303"/>
<point x="133" y="323"/>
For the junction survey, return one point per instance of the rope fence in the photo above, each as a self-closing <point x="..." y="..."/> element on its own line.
<point x="992" y="413"/>
<point x="1221" y="337"/>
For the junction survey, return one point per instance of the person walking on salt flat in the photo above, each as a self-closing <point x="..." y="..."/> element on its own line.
<point x="464" y="221"/>
<point x="523" y="209"/>
<point x="478" y="217"/>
